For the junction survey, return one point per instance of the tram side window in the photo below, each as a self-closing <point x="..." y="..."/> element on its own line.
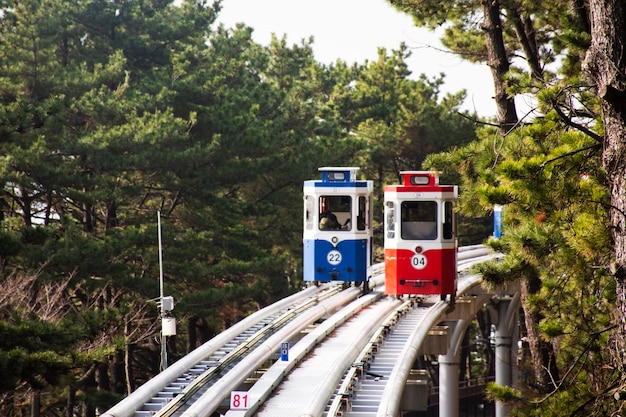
<point x="361" y="218"/>
<point x="335" y="212"/>
<point x="419" y="220"/>
<point x="308" y="212"/>
<point x="390" y="220"/>
<point x="448" y="220"/>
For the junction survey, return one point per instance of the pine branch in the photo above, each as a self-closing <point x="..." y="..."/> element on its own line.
<point x="569" y="122"/>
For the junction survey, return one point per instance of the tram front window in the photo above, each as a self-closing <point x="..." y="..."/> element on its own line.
<point x="335" y="212"/>
<point x="419" y="220"/>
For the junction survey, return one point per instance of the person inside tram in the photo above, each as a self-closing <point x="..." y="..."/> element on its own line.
<point x="328" y="221"/>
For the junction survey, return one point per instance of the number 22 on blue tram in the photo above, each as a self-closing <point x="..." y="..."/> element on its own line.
<point x="420" y="236"/>
<point x="337" y="233"/>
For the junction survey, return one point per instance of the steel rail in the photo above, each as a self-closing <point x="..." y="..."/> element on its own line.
<point x="356" y="372"/>
<point x="316" y="404"/>
<point x="390" y="402"/>
<point x="133" y="402"/>
<point x="239" y="351"/>
<point x="211" y="398"/>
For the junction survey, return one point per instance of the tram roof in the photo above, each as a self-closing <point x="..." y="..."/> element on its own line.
<point x="338" y="168"/>
<point x="339" y="177"/>
<point x="420" y="181"/>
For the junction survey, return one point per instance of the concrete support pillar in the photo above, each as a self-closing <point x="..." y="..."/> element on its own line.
<point x="503" y="369"/>
<point x="449" y="370"/>
<point x="448" y="385"/>
<point x="506" y="346"/>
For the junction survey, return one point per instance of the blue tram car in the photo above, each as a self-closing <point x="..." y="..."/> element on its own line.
<point x="337" y="233"/>
<point x="420" y="236"/>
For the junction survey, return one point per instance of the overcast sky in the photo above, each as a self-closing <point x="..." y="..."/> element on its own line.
<point x="353" y="30"/>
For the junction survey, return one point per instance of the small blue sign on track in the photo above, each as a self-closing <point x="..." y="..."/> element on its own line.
<point x="284" y="351"/>
<point x="497" y="221"/>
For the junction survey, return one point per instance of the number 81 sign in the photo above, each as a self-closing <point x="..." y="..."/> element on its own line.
<point x="239" y="400"/>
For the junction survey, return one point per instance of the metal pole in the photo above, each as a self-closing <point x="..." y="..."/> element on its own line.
<point x="504" y="342"/>
<point x="163" y="337"/>
<point x="449" y="366"/>
<point x="449" y="385"/>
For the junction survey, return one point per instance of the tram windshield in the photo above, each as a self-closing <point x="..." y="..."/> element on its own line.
<point x="335" y="212"/>
<point x="419" y="220"/>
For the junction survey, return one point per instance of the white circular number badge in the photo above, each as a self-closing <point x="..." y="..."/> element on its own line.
<point x="334" y="257"/>
<point x="418" y="261"/>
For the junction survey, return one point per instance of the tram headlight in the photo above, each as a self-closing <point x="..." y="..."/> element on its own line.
<point x="334" y="239"/>
<point x="418" y="249"/>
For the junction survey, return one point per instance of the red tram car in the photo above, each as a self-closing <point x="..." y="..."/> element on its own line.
<point x="420" y="236"/>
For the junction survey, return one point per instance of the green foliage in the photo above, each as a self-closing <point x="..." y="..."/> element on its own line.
<point x="113" y="112"/>
<point x="555" y="227"/>
<point x="9" y="244"/>
<point x="397" y="120"/>
<point x="547" y="174"/>
<point x="497" y="392"/>
<point x="38" y="369"/>
<point x="402" y="120"/>
<point x="36" y="351"/>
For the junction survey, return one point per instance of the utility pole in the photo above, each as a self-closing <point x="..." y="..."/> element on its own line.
<point x="168" y="324"/>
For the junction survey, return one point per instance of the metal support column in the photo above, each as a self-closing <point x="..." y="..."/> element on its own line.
<point x="506" y="360"/>
<point x="449" y="370"/>
<point x="448" y="385"/>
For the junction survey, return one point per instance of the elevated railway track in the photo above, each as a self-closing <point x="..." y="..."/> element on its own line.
<point x="349" y="355"/>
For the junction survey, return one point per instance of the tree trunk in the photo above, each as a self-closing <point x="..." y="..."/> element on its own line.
<point x="606" y="64"/>
<point x="545" y="371"/>
<point x="204" y="331"/>
<point x="102" y="377"/>
<point x="498" y="61"/>
<point x="192" y="334"/>
<point x="128" y="361"/>
<point x="484" y="327"/>
<point x="465" y="367"/>
<point x="71" y="400"/>
<point x="118" y="374"/>
<point x="111" y="216"/>
<point x="85" y="383"/>
<point x="581" y="12"/>
<point x="35" y="404"/>
<point x="25" y="203"/>
<point x="525" y="32"/>
<point x="88" y="218"/>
